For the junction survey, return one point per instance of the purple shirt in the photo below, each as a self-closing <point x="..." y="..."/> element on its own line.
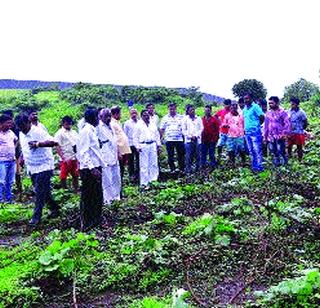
<point x="276" y="125"/>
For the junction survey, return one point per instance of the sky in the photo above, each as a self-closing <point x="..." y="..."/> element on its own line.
<point x="174" y="43"/>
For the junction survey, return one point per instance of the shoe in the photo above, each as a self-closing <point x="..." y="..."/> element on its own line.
<point x="34" y="222"/>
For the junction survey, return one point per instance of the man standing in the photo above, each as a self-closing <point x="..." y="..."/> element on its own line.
<point x="67" y="139"/>
<point x="236" y="142"/>
<point x="122" y="139"/>
<point x="299" y="122"/>
<point x="111" y="179"/>
<point x="192" y="128"/>
<point x="153" y="116"/>
<point x="171" y="129"/>
<point x="91" y="163"/>
<point x="210" y="136"/>
<point x="253" y="119"/>
<point x="36" y="146"/>
<point x="33" y="117"/>
<point x="133" y="158"/>
<point x="223" y="130"/>
<point x="8" y="142"/>
<point x="276" y="130"/>
<point x="147" y="142"/>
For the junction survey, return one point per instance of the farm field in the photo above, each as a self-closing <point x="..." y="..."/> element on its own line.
<point x="215" y="239"/>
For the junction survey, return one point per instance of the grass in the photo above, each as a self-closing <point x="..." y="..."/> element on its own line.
<point x="221" y="235"/>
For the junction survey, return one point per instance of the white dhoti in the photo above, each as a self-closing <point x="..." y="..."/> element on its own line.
<point x="149" y="170"/>
<point x="111" y="183"/>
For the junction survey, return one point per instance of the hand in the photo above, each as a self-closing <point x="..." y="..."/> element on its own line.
<point x="159" y="149"/>
<point x="33" y="144"/>
<point x="96" y="173"/>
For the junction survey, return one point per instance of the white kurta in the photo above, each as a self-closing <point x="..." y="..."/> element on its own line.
<point x="146" y="138"/>
<point x="111" y="179"/>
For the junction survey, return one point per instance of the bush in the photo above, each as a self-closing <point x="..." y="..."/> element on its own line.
<point x="252" y="86"/>
<point x="301" y="89"/>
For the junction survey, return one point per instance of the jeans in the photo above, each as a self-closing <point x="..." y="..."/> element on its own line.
<point x="42" y="188"/>
<point x="179" y="147"/>
<point x="254" y="142"/>
<point x="278" y="151"/>
<point x="7" y="175"/>
<point x="192" y="154"/>
<point x="205" y="148"/>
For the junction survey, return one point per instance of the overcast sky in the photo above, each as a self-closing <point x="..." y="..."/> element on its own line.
<point x="177" y="43"/>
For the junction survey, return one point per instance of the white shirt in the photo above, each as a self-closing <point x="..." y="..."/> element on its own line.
<point x="192" y="127"/>
<point x="155" y="120"/>
<point x="40" y="125"/>
<point x="108" y="140"/>
<point x="172" y="127"/>
<point x="144" y="134"/>
<point x="81" y="124"/>
<point x="129" y="127"/>
<point x="38" y="159"/>
<point x="88" y="148"/>
<point x="67" y="139"/>
<point x="8" y="141"/>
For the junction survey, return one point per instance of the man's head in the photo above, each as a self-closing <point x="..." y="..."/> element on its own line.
<point x="227" y="104"/>
<point x="172" y="107"/>
<point x="191" y="111"/>
<point x="105" y="115"/>
<point x="91" y="116"/>
<point x="145" y="116"/>
<point x="116" y="112"/>
<point x="247" y="99"/>
<point x="241" y="103"/>
<point x="33" y="116"/>
<point x="274" y="102"/>
<point x="150" y="109"/>
<point x="23" y="122"/>
<point x="9" y="113"/>
<point x="67" y="122"/>
<point x="5" y="122"/>
<point x="234" y="108"/>
<point x="207" y="110"/>
<point x="295" y="102"/>
<point x="134" y="114"/>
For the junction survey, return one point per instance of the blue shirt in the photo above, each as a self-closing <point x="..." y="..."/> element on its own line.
<point x="252" y="118"/>
<point x="298" y="119"/>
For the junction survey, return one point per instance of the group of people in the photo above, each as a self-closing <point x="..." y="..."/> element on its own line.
<point x="102" y="148"/>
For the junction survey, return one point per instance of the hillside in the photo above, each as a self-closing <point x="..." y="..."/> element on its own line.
<point x="58" y="85"/>
<point x="226" y="238"/>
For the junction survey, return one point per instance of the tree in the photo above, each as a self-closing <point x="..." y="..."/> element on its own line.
<point x="252" y="86"/>
<point x="301" y="89"/>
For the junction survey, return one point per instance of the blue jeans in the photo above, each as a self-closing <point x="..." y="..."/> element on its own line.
<point x="7" y="175"/>
<point x="254" y="143"/>
<point x="192" y="154"/>
<point x="278" y="151"/>
<point x="205" y="148"/>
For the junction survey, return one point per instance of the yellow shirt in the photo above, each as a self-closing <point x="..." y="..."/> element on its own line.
<point x="122" y="139"/>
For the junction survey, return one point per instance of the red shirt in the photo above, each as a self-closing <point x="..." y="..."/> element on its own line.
<point x="221" y="114"/>
<point x="210" y="131"/>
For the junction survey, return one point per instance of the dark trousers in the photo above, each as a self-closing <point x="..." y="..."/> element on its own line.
<point x="133" y="163"/>
<point x="42" y="189"/>
<point x="208" y="147"/>
<point x="192" y="155"/>
<point x="91" y="199"/>
<point x="177" y="146"/>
